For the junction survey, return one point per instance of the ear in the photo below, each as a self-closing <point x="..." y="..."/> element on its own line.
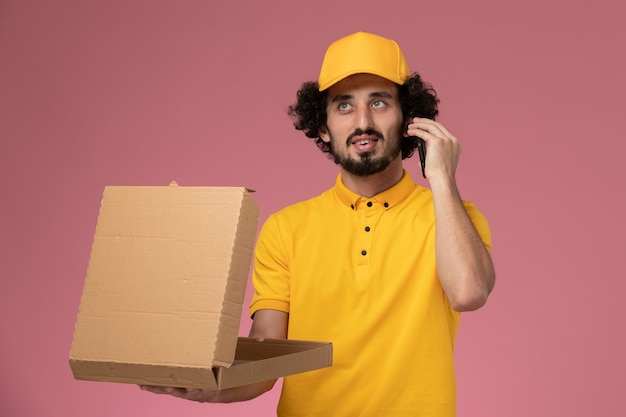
<point x="323" y="134"/>
<point x="407" y="122"/>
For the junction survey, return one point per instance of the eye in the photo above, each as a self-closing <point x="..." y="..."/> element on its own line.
<point x="377" y="104"/>
<point x="344" y="106"/>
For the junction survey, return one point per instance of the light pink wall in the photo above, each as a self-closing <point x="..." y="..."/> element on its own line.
<point x="96" y="93"/>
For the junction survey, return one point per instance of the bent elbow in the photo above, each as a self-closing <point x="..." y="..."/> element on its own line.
<point x="469" y="302"/>
<point x="470" y="298"/>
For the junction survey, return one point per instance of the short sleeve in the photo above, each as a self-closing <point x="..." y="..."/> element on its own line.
<point x="270" y="275"/>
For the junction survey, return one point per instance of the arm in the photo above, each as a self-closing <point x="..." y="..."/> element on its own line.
<point x="267" y="324"/>
<point x="463" y="263"/>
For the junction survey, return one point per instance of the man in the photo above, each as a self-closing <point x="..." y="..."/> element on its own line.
<point x="377" y="265"/>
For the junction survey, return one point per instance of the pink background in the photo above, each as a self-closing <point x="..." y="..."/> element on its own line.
<point x="96" y="93"/>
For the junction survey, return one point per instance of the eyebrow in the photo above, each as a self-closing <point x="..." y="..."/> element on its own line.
<point x="376" y="94"/>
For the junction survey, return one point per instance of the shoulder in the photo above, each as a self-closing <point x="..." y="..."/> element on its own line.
<point x="295" y="221"/>
<point x="314" y="206"/>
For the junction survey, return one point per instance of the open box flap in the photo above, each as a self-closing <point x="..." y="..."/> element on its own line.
<point x="168" y="268"/>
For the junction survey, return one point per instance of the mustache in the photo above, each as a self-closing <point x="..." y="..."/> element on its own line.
<point x="359" y="132"/>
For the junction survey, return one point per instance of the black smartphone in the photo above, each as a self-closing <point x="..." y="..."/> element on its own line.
<point x="421" y="149"/>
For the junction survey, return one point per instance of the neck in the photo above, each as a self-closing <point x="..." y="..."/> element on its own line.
<point x="374" y="184"/>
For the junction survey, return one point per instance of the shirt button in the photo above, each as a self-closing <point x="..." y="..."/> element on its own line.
<point x="367" y="228"/>
<point x="386" y="205"/>
<point x="363" y="252"/>
<point x="369" y="204"/>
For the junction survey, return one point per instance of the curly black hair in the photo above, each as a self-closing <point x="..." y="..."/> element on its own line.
<point x="417" y="99"/>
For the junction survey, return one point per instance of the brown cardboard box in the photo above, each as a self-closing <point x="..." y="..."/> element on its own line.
<point x="163" y="295"/>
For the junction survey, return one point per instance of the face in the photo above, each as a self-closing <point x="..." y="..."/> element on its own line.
<point x="364" y="124"/>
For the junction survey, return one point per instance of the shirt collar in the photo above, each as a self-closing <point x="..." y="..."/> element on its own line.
<point x="387" y="199"/>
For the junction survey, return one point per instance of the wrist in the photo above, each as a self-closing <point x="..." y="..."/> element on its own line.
<point x="442" y="182"/>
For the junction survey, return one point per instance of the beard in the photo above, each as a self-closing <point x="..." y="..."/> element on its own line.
<point x="365" y="163"/>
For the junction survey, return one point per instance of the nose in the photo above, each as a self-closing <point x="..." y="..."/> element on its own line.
<point x="364" y="118"/>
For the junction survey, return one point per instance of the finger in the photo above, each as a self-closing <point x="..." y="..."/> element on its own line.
<point x="424" y="127"/>
<point x="422" y="132"/>
<point x="193" y="392"/>
<point x="153" y="389"/>
<point x="431" y="126"/>
<point x="446" y="133"/>
<point x="176" y="392"/>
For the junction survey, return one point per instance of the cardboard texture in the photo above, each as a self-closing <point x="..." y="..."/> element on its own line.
<point x="164" y="290"/>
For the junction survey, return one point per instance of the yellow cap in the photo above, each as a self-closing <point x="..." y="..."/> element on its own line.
<point x="363" y="53"/>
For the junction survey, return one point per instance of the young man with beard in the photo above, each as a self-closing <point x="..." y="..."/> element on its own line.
<point x="377" y="265"/>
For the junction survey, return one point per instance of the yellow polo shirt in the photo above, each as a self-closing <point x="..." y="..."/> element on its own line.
<point x="360" y="273"/>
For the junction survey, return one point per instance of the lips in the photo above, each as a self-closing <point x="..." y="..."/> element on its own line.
<point x="364" y="143"/>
